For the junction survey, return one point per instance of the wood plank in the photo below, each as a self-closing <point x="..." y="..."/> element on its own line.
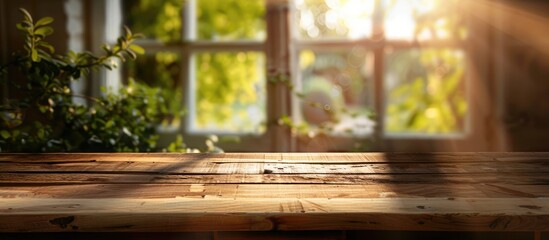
<point x="293" y="168"/>
<point x="522" y="157"/>
<point x="287" y="235"/>
<point x="243" y="191"/>
<point x="108" y="236"/>
<point x="390" y="157"/>
<point x="69" y="157"/>
<point x="274" y="235"/>
<point x="277" y="168"/>
<point x="250" y="157"/>
<point x="454" y="235"/>
<point x="41" y="179"/>
<point x="136" y="167"/>
<point x="191" y="214"/>
<point x="393" y="158"/>
<point x="274" y="191"/>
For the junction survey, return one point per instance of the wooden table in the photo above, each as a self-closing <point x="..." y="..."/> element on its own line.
<point x="221" y="193"/>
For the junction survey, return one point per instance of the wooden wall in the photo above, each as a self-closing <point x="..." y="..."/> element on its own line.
<point x="521" y="74"/>
<point x="38" y="8"/>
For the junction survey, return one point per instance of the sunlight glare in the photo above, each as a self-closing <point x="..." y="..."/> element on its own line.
<point x="423" y="6"/>
<point x="307" y="19"/>
<point x="348" y="18"/>
<point x="356" y="16"/>
<point x="400" y="22"/>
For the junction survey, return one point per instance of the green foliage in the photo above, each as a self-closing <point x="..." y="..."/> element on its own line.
<point x="41" y="117"/>
<point x="431" y="99"/>
<point x="121" y="122"/>
<point x="229" y="85"/>
<point x="161" y="71"/>
<point x="159" y="19"/>
<point x="217" y="19"/>
<point x="230" y="19"/>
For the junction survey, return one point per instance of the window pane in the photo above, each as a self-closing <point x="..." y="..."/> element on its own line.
<point x="336" y="88"/>
<point x="423" y="20"/>
<point x="157" y="19"/>
<point x="230" y="19"/>
<point x="425" y="90"/>
<point x="229" y="92"/>
<point x="160" y="70"/>
<point x="334" y="18"/>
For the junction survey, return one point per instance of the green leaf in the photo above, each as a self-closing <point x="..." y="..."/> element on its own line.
<point x="109" y="123"/>
<point x="43" y="21"/>
<point x="48" y="46"/>
<point x="34" y="55"/>
<point x="120" y="42"/>
<point x="44" y="31"/>
<point x="5" y="134"/>
<point x="41" y="133"/>
<point x="28" y="25"/>
<point x="137" y="49"/>
<point x="131" y="54"/>
<point x="26" y="14"/>
<point x="107" y="66"/>
<point x="21" y="27"/>
<point x="128" y="32"/>
<point x="106" y="47"/>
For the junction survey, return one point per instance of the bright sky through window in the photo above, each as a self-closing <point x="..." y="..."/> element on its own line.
<point x="335" y="18"/>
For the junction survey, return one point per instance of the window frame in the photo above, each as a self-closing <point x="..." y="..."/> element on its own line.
<point x="186" y="48"/>
<point x="281" y="56"/>
<point x="378" y="44"/>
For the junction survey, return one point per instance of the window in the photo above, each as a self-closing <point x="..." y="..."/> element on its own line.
<point x="406" y="53"/>
<point x="215" y="49"/>
<point x="403" y="60"/>
<point x="424" y="85"/>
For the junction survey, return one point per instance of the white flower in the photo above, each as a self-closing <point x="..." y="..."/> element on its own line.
<point x="356" y="126"/>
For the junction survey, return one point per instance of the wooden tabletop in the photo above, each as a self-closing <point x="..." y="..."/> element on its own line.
<point x="274" y="191"/>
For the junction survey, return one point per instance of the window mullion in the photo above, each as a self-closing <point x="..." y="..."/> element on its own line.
<point x="405" y="44"/>
<point x="379" y="55"/>
<point x="188" y="33"/>
<point x="336" y="44"/>
<point x="278" y="67"/>
<point x="225" y="46"/>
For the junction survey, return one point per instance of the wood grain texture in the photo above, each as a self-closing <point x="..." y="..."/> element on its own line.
<point x="46" y="178"/>
<point x="147" y="192"/>
<point x="243" y="191"/>
<point x="256" y="157"/>
<point x="199" y="214"/>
